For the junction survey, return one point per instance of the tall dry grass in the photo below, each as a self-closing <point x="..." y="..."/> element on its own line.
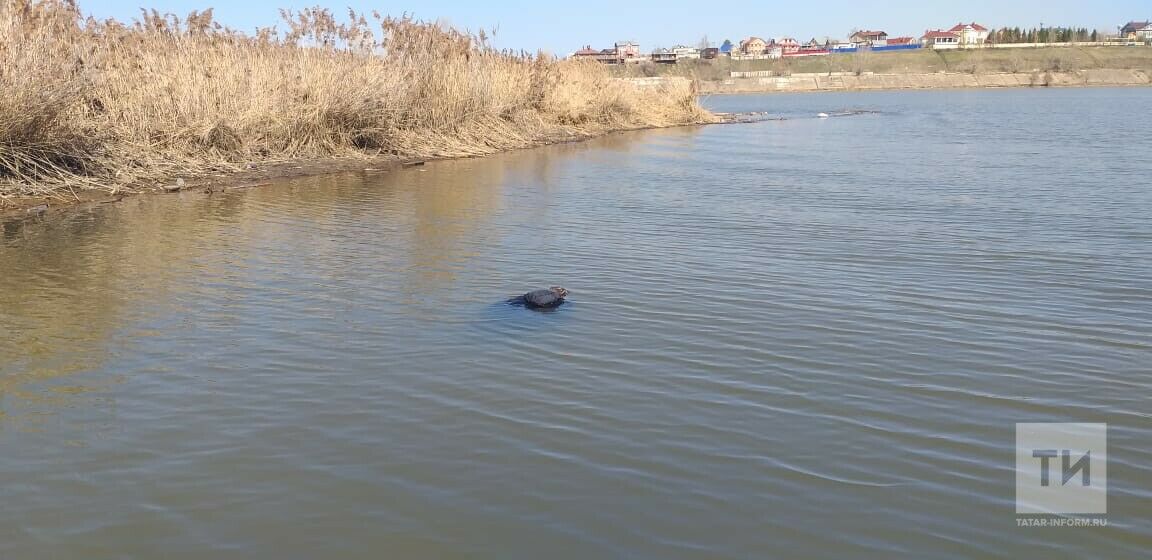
<point x="109" y="105"/>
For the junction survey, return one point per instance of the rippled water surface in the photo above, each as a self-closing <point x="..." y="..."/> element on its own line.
<point x="801" y="338"/>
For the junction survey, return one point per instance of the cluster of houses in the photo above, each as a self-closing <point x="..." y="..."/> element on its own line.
<point x="962" y="35"/>
<point x="756" y="48"/>
<point x="624" y="51"/>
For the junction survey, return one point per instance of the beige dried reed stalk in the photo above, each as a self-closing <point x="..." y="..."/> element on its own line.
<point x="108" y="105"/>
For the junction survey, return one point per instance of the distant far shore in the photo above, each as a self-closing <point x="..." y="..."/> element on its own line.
<point x="799" y="83"/>
<point x="916" y="69"/>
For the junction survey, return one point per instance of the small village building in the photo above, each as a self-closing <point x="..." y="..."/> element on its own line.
<point x="868" y="38"/>
<point x="609" y="56"/>
<point x="622" y="52"/>
<point x="753" y="45"/>
<point x="663" y="56"/>
<point x="840" y="45"/>
<point x="970" y="33"/>
<point x="787" y="44"/>
<point x="812" y="48"/>
<point x="901" y="40"/>
<point x="938" y="39"/>
<point x="1138" y="32"/>
<point x="586" y="52"/>
<point x="709" y="53"/>
<point x="627" y="50"/>
<point x="686" y="53"/>
<point x="1132" y="30"/>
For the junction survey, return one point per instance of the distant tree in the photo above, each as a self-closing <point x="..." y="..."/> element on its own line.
<point x="1095" y="37"/>
<point x="704" y="43"/>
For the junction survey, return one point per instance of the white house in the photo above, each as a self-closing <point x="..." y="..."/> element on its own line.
<point x="970" y="33"/>
<point x="940" y="40"/>
<point x="683" y="52"/>
<point x="1135" y="30"/>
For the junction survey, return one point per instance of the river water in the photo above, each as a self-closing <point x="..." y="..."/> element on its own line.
<point x="801" y="338"/>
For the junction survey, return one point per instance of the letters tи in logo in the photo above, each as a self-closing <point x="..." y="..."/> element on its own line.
<point x="1061" y="468"/>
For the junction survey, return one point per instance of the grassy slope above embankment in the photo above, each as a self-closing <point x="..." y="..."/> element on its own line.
<point x="102" y="105"/>
<point x="922" y="61"/>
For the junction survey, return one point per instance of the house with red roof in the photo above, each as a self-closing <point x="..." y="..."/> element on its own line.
<point x="939" y="39"/>
<point x="586" y="52"/>
<point x="786" y="44"/>
<point x="970" y="33"/>
<point x="961" y="35"/>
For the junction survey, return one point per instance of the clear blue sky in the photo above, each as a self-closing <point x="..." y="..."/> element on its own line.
<point x="564" y="26"/>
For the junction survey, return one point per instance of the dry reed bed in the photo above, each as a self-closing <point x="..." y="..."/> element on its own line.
<point x="88" y="104"/>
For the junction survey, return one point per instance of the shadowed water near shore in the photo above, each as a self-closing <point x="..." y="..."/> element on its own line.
<point x="799" y="337"/>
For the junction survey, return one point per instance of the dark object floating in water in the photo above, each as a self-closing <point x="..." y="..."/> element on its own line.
<point x="541" y="299"/>
<point x="413" y="163"/>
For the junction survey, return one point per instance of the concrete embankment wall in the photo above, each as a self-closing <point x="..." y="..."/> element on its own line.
<point x="851" y="82"/>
